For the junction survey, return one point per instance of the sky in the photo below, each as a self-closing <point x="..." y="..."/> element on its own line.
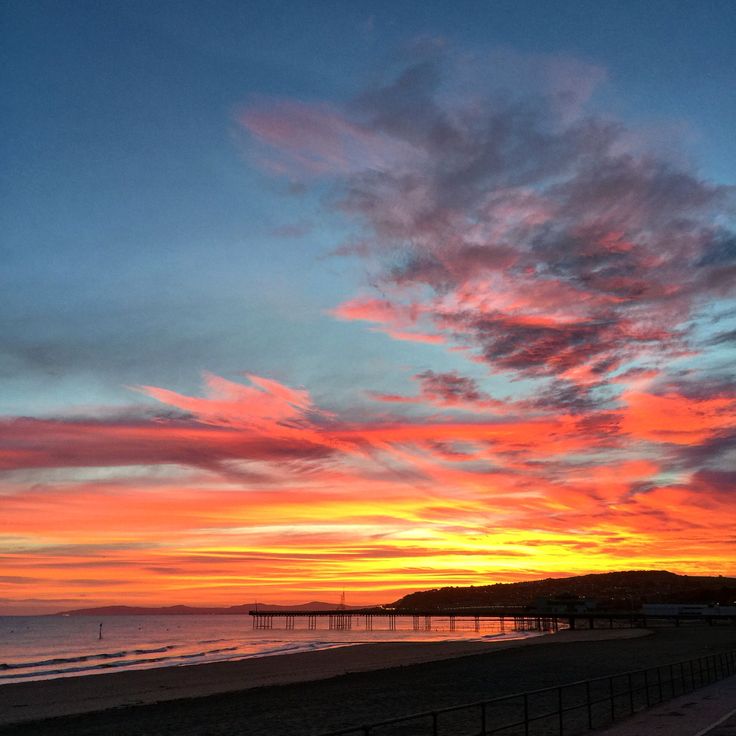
<point x="299" y="298"/>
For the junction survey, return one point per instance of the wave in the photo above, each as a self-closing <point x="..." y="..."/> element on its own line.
<point x="120" y="660"/>
<point x="84" y="658"/>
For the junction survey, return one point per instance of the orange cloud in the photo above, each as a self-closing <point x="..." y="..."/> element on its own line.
<point x="676" y="418"/>
<point x="246" y="509"/>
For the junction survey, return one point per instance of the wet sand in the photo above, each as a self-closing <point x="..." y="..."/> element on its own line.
<point x="313" y="692"/>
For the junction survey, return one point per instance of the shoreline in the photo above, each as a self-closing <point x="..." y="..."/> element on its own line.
<point x="177" y="654"/>
<point x="70" y="696"/>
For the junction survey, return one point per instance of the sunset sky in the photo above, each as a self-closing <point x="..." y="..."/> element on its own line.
<point x="303" y="297"/>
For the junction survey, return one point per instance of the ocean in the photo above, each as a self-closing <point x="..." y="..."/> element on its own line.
<point x="46" y="647"/>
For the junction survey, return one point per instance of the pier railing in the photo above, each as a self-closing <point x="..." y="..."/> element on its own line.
<point x="565" y="710"/>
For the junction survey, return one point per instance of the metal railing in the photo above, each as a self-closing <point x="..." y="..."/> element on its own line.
<point x="564" y="710"/>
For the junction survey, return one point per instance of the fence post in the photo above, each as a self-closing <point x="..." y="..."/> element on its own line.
<point x="631" y="693"/>
<point x="434" y="724"/>
<point x="483" y="719"/>
<point x="659" y="683"/>
<point x="613" y="702"/>
<point x="646" y="686"/>
<point x="672" y="680"/>
<point x="682" y="677"/>
<point x="560" y="714"/>
<point x="526" y="714"/>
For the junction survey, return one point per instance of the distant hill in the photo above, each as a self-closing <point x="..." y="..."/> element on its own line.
<point x="613" y="590"/>
<point x="240" y="609"/>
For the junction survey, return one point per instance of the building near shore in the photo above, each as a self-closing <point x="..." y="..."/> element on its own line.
<point x="565" y="604"/>
<point x="687" y="609"/>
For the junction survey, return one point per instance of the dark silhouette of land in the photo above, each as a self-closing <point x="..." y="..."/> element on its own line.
<point x="241" y="609"/>
<point x="612" y="591"/>
<point x="626" y="590"/>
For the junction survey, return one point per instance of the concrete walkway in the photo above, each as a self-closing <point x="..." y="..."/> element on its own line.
<point x="709" y="711"/>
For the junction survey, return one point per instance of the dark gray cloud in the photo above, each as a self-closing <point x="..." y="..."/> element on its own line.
<point x="717" y="451"/>
<point x="449" y="387"/>
<point x="724" y="338"/>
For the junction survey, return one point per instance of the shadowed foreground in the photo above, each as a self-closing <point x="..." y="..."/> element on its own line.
<point x="315" y="707"/>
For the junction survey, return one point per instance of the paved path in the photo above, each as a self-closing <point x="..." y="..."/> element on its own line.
<point x="709" y="711"/>
<point x="722" y="727"/>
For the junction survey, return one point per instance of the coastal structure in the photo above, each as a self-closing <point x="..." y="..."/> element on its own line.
<point x="516" y="619"/>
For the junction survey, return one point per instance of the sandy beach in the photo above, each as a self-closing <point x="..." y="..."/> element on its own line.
<point x="68" y="696"/>
<point x="318" y="691"/>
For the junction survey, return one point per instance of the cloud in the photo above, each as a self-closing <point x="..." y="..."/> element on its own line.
<point x="366" y="498"/>
<point x="267" y="409"/>
<point x="724" y="338"/>
<point x="513" y="225"/>
<point x="266" y="405"/>
<point x="502" y="221"/>
<point x="449" y="390"/>
<point x="689" y="420"/>
<point x="399" y="321"/>
<point x="517" y="224"/>
<point x="449" y="387"/>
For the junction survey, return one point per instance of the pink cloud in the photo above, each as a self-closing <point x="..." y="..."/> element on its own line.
<point x="537" y="236"/>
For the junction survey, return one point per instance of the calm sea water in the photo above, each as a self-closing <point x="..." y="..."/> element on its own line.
<point x="45" y="647"/>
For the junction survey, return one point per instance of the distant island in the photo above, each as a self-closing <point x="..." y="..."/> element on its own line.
<point x="626" y="590"/>
<point x="240" y="609"/>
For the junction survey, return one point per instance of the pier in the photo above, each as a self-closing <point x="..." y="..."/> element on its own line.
<point x="513" y="619"/>
<point x="372" y="619"/>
